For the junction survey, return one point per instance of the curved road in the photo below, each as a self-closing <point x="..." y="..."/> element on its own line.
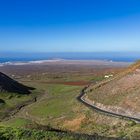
<point x="81" y="99"/>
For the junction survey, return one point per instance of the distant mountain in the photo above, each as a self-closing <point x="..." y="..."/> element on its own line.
<point x="9" y="85"/>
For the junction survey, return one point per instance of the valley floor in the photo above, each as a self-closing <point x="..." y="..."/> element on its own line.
<point x="56" y="104"/>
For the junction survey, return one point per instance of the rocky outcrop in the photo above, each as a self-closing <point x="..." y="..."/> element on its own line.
<point x="2" y="101"/>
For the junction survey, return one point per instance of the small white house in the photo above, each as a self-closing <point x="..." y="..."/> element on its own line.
<point x="108" y="76"/>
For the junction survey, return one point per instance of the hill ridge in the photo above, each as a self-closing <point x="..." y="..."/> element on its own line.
<point x="8" y="84"/>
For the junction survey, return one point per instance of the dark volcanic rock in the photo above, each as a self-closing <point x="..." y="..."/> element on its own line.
<point x="2" y="101"/>
<point x="9" y="85"/>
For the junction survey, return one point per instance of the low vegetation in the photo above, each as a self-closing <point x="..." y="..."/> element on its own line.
<point x="8" y="133"/>
<point x="56" y="106"/>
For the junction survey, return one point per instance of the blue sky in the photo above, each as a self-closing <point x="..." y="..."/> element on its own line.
<point x="69" y="25"/>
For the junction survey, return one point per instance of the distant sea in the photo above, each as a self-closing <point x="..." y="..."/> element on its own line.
<point x="109" y="56"/>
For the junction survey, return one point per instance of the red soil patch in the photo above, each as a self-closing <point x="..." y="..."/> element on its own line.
<point x="76" y="83"/>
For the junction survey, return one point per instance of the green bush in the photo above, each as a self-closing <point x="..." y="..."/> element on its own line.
<point x="8" y="133"/>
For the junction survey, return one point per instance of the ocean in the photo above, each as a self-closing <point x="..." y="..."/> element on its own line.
<point x="109" y="56"/>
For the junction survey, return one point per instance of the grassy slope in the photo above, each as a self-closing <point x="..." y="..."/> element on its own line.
<point x="12" y="100"/>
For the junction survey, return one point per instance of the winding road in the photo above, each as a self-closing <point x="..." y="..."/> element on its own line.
<point x="113" y="114"/>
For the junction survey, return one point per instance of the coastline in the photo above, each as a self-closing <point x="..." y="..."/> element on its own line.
<point x="67" y="62"/>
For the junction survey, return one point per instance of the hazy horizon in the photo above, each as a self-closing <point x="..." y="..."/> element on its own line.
<point x="109" y="56"/>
